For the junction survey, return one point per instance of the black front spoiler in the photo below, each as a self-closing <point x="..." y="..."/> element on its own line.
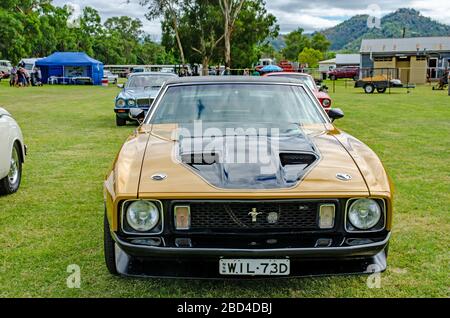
<point x="203" y="263"/>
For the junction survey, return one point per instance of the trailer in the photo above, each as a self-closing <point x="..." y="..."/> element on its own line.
<point x="380" y="83"/>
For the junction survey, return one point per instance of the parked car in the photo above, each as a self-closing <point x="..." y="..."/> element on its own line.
<point x="308" y="80"/>
<point x="5" y="66"/>
<point x="138" y="93"/>
<point x="12" y="153"/>
<point x="112" y="78"/>
<point x="344" y="72"/>
<point x="29" y="64"/>
<point x="244" y="176"/>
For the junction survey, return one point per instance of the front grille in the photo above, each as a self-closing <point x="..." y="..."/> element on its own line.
<point x="234" y="216"/>
<point x="144" y="102"/>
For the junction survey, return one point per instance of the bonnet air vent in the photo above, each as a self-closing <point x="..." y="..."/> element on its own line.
<point x="200" y="158"/>
<point x="296" y="159"/>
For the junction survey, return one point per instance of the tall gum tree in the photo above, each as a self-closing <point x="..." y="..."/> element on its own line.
<point x="168" y="9"/>
<point x="230" y="10"/>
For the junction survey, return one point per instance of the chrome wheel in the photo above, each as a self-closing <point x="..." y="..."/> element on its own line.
<point x="13" y="174"/>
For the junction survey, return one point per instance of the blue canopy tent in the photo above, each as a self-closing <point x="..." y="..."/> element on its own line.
<point x="68" y="67"/>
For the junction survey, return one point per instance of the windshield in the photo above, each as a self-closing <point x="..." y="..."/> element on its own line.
<point x="142" y="81"/>
<point x="237" y="103"/>
<point x="29" y="67"/>
<point x="305" y="79"/>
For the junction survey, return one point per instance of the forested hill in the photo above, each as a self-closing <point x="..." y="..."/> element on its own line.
<point x="348" y="34"/>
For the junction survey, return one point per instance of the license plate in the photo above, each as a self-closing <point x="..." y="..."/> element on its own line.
<point x="254" y="267"/>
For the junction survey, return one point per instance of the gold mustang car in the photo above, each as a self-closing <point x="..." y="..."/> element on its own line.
<point x="230" y="177"/>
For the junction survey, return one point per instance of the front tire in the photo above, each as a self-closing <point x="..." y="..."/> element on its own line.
<point x="109" y="248"/>
<point x="11" y="182"/>
<point x="120" y="121"/>
<point x="369" y="88"/>
<point x="333" y="77"/>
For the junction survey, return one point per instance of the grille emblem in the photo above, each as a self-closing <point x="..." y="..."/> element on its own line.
<point x="343" y="176"/>
<point x="254" y="214"/>
<point x="272" y="217"/>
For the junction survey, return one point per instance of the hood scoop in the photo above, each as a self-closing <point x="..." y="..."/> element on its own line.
<point x="297" y="159"/>
<point x="285" y="159"/>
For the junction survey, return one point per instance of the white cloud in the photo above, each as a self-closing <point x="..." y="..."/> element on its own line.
<point x="114" y="8"/>
<point x="438" y="9"/>
<point x="291" y="14"/>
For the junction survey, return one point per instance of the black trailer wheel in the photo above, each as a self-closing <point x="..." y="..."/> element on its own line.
<point x="369" y="88"/>
<point x="381" y="90"/>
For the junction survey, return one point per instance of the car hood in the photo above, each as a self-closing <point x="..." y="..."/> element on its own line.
<point x="322" y="158"/>
<point x="138" y="93"/>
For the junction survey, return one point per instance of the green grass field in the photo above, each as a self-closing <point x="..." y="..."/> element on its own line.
<point x="56" y="218"/>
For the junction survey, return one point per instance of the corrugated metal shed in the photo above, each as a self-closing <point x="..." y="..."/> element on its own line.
<point x="347" y="59"/>
<point x="404" y="45"/>
<point x="330" y="61"/>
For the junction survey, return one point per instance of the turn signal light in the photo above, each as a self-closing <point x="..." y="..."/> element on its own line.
<point x="326" y="216"/>
<point x="182" y="215"/>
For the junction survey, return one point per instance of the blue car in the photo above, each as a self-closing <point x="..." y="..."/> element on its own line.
<point x="139" y="93"/>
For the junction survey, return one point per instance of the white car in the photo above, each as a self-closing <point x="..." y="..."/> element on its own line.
<point x="112" y="78"/>
<point x="12" y="153"/>
<point x="5" y="66"/>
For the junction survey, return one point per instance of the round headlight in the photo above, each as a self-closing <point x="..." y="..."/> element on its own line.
<point x="121" y="103"/>
<point x="364" y="213"/>
<point x="325" y="102"/>
<point x="142" y="215"/>
<point x="131" y="102"/>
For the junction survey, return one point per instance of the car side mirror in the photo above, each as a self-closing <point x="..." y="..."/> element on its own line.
<point x="335" y="113"/>
<point x="120" y="85"/>
<point x="137" y="113"/>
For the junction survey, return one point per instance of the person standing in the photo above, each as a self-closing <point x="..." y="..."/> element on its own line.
<point x="38" y="76"/>
<point x="27" y="77"/>
<point x="13" y="77"/>
<point x="22" y="80"/>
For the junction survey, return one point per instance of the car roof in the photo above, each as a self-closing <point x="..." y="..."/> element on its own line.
<point x="30" y="60"/>
<point x="230" y="79"/>
<point x="153" y="73"/>
<point x="286" y="73"/>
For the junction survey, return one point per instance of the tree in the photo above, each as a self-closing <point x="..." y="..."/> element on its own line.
<point x="320" y="42"/>
<point x="129" y="31"/>
<point x="253" y="28"/>
<point x="230" y="10"/>
<point x="310" y="57"/>
<point x="296" y="41"/>
<point x="170" y="10"/>
<point x="201" y="28"/>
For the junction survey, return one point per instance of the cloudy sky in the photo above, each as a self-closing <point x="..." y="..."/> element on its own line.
<point x="291" y="14"/>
